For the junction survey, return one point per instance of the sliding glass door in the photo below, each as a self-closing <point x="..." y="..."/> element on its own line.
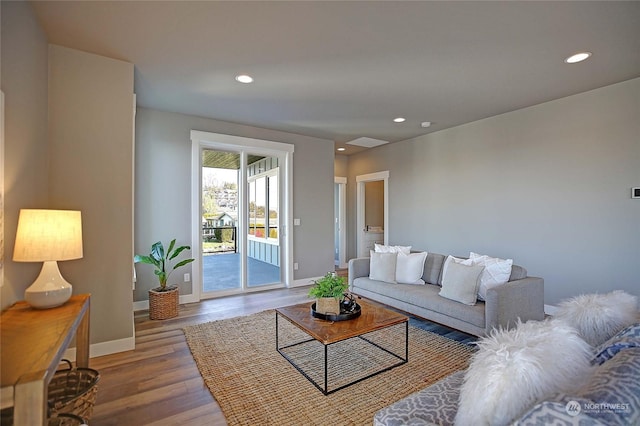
<point x="263" y="240"/>
<point x="241" y="220"/>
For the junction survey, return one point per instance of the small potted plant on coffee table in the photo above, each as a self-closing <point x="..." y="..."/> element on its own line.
<point x="163" y="300"/>
<point x="328" y="292"/>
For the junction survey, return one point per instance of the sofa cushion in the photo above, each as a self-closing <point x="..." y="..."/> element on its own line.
<point x="517" y="273"/>
<point x="382" y="267"/>
<point x="557" y="413"/>
<point x="626" y="338"/>
<point x="410" y="267"/>
<point x="612" y="395"/>
<point x="598" y="317"/>
<point x="496" y="272"/>
<point x="433" y="268"/>
<point x="427" y="297"/>
<point x="515" y="369"/>
<point x="380" y="248"/>
<point x="434" y="405"/>
<point x="460" y="282"/>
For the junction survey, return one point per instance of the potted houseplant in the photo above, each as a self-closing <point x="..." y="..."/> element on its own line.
<point x="328" y="292"/>
<point x="163" y="300"/>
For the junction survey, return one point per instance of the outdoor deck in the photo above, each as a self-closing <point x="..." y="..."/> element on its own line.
<point x="222" y="272"/>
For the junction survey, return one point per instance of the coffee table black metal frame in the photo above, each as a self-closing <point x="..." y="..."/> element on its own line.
<point x="324" y="389"/>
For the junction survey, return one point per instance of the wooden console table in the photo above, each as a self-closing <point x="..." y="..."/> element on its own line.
<point x="33" y="343"/>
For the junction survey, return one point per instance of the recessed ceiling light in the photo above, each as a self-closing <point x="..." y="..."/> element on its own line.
<point x="578" y="57"/>
<point x="342" y="149"/>
<point x="399" y="119"/>
<point x="243" y="78"/>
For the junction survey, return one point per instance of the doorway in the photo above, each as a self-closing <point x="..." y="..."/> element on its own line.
<point x="241" y="190"/>
<point x="368" y="234"/>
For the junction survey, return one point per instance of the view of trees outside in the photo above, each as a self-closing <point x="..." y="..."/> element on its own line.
<point x="219" y="192"/>
<point x="219" y="208"/>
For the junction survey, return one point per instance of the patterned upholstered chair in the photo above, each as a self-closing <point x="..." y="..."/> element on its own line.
<point x="611" y="397"/>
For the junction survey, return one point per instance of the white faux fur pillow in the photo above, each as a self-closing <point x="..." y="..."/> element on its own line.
<point x="597" y="317"/>
<point x="515" y="369"/>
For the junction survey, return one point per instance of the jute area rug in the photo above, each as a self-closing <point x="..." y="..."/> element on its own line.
<point x="255" y="385"/>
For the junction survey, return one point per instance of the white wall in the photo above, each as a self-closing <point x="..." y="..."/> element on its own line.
<point x="91" y="170"/>
<point x="24" y="83"/>
<point x="163" y="182"/>
<point x="68" y="144"/>
<point x="548" y="186"/>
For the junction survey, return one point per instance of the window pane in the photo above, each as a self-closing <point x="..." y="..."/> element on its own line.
<point x="252" y="208"/>
<point x="261" y="206"/>
<point x="273" y="206"/>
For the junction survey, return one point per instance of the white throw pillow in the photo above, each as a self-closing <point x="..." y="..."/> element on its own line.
<point x="515" y="369"/>
<point x="379" y="248"/>
<point x="597" y="317"/>
<point x="410" y="267"/>
<point x="450" y="259"/>
<point x="496" y="272"/>
<point x="382" y="266"/>
<point x="460" y="282"/>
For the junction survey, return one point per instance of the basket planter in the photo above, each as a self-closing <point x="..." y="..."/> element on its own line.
<point x="328" y="305"/>
<point x="163" y="304"/>
<point x="72" y="393"/>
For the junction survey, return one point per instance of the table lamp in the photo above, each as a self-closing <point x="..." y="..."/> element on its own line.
<point x="48" y="236"/>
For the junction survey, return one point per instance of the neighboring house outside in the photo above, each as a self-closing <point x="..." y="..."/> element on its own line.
<point x="223" y="219"/>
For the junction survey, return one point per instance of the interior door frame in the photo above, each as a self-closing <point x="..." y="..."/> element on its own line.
<point x="217" y="141"/>
<point x="342" y="221"/>
<point x="361" y="180"/>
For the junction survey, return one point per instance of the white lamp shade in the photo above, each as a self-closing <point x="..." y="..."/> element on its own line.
<point x="45" y="235"/>
<point x="48" y="236"/>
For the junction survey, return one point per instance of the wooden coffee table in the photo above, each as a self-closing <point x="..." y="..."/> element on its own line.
<point x="372" y="318"/>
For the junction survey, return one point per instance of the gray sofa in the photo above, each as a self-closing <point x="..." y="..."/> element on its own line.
<point x="522" y="297"/>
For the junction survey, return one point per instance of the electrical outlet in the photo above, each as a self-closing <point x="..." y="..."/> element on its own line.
<point x="187" y="277"/>
<point x="295" y="266"/>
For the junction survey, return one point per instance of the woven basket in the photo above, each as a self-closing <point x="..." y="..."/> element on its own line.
<point x="73" y="391"/>
<point x="328" y="305"/>
<point x="163" y="304"/>
<point x="66" y="419"/>
<point x="62" y="419"/>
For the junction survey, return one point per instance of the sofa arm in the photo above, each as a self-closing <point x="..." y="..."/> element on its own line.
<point x="523" y="299"/>
<point x="358" y="267"/>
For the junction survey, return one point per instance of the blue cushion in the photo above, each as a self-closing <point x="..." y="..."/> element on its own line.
<point x="629" y="337"/>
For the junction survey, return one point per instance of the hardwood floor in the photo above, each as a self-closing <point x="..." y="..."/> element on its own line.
<point x="158" y="383"/>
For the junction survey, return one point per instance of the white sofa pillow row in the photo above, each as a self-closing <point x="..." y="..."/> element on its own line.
<point x="396" y="264"/>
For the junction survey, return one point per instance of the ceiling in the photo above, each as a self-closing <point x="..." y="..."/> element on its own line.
<point x="343" y="70"/>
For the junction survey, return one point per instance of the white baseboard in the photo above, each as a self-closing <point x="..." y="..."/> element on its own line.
<point x="550" y="309"/>
<point x="143" y="305"/>
<point x="104" y="348"/>
<point x="303" y="282"/>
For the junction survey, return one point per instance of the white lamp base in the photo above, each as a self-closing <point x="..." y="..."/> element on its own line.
<point x="49" y="289"/>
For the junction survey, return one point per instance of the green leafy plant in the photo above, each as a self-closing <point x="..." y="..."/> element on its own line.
<point x="162" y="261"/>
<point x="331" y="285"/>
